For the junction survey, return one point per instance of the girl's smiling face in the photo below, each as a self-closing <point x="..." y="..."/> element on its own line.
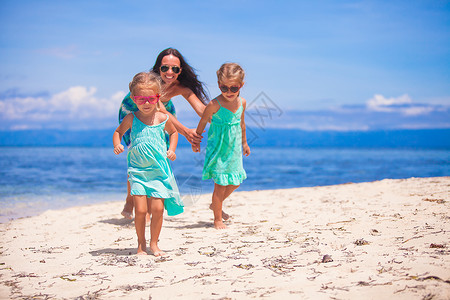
<point x="171" y="61"/>
<point x="230" y="84"/>
<point x="144" y="91"/>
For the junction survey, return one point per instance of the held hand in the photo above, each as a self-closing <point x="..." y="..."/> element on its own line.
<point x="118" y="149"/>
<point x="193" y="137"/>
<point x="171" y="155"/>
<point x="246" y="150"/>
<point x="195" y="147"/>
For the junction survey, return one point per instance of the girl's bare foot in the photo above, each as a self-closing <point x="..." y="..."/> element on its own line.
<point x="156" y="251"/>
<point x="219" y="225"/>
<point x="225" y="216"/>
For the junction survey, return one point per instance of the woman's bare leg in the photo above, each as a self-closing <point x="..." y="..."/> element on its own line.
<point x="157" y="212"/>
<point x="140" y="211"/>
<point x="127" y="211"/>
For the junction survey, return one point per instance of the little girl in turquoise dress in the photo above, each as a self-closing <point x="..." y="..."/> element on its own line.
<point x="227" y="141"/>
<point x="152" y="182"/>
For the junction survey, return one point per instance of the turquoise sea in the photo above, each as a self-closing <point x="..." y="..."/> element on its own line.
<point x="34" y="179"/>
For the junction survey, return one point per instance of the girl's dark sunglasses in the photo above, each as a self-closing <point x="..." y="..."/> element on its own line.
<point x="166" y="68"/>
<point x="233" y="89"/>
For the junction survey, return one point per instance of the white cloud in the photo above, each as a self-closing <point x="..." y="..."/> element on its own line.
<point x="81" y="108"/>
<point x="75" y="107"/>
<point x="418" y="110"/>
<point x="360" y="118"/>
<point x="402" y="104"/>
<point x="380" y="103"/>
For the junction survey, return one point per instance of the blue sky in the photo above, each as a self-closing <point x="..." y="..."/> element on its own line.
<point x="342" y="65"/>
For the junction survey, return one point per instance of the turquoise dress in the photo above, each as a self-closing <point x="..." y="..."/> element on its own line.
<point x="223" y="160"/>
<point x="128" y="106"/>
<point x="149" y="170"/>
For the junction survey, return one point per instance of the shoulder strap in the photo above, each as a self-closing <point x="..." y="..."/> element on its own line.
<point x="217" y="99"/>
<point x="163" y="123"/>
<point x="167" y="119"/>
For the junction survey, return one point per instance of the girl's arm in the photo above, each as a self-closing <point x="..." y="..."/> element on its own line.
<point x="120" y="131"/>
<point x="245" y="147"/>
<point x="210" y="109"/>
<point x="173" y="139"/>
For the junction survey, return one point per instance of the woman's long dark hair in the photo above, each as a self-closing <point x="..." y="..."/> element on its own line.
<point x="187" y="78"/>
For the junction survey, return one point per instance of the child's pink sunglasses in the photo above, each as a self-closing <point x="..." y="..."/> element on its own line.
<point x="141" y="100"/>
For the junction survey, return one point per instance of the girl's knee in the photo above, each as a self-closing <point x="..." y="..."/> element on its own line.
<point x="231" y="188"/>
<point x="140" y="211"/>
<point x="140" y="205"/>
<point x="157" y="207"/>
<point x="219" y="189"/>
<point x="157" y="211"/>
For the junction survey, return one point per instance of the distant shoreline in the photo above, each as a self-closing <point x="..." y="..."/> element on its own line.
<point x="258" y="137"/>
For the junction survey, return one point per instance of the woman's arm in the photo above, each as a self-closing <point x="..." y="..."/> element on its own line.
<point x="245" y="147"/>
<point x="193" y="100"/>
<point x="189" y="134"/>
<point x="120" y="131"/>
<point x="173" y="139"/>
<point x="178" y="126"/>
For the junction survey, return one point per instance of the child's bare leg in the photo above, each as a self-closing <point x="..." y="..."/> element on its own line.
<point x="157" y="211"/>
<point x="127" y="211"/>
<point x="140" y="210"/>
<point x="229" y="189"/>
<point x="225" y="216"/>
<point x="217" y="201"/>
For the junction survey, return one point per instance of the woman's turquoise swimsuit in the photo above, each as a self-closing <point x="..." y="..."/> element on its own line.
<point x="128" y="106"/>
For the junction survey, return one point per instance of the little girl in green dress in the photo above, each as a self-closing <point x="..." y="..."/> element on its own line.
<point x="152" y="182"/>
<point x="227" y="141"/>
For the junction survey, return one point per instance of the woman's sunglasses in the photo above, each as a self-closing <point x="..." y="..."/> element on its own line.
<point x="233" y="88"/>
<point x="166" y="68"/>
<point x="141" y="100"/>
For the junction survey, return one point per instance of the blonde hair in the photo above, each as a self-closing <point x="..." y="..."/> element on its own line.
<point x="231" y="71"/>
<point x="150" y="79"/>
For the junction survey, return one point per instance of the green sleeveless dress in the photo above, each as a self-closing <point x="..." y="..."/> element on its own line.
<point x="149" y="170"/>
<point x="223" y="160"/>
<point x="128" y="106"/>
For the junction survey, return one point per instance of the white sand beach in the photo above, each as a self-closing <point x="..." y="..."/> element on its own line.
<point x="388" y="239"/>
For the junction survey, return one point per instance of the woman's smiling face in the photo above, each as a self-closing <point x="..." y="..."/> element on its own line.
<point x="172" y="61"/>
